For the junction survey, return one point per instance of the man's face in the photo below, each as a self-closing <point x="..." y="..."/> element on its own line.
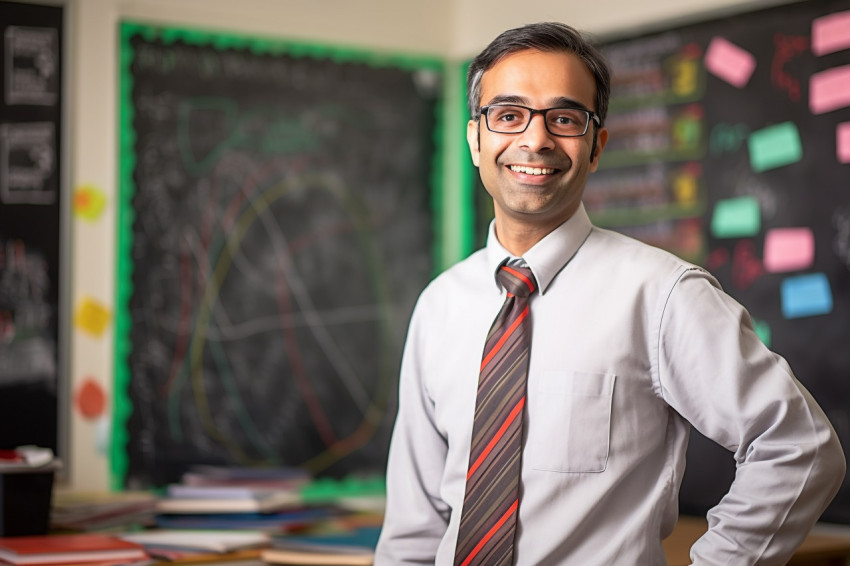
<point x="538" y="80"/>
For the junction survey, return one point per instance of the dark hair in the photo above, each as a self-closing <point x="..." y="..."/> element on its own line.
<point x="546" y="36"/>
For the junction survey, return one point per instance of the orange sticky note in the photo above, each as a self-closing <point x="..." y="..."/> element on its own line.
<point x="788" y="249"/>
<point x="729" y="62"/>
<point x="92" y="317"/>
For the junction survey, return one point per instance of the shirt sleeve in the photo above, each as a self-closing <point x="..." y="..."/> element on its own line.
<point x="416" y="517"/>
<point x="714" y="370"/>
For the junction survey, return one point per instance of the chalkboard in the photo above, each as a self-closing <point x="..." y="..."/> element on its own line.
<point x="32" y="378"/>
<point x="276" y="228"/>
<point x="730" y="146"/>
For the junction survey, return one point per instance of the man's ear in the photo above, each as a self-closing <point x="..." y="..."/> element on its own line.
<point x="601" y="140"/>
<point x="473" y="138"/>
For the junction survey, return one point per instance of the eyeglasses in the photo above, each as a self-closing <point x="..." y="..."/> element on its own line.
<point x="561" y="122"/>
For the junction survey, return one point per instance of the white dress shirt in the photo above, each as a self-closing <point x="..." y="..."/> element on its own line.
<point x="629" y="345"/>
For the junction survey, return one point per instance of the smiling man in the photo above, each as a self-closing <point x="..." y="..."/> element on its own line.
<point x="556" y="433"/>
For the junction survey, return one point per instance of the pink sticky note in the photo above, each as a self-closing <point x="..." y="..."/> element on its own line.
<point x="831" y="33"/>
<point x="842" y="142"/>
<point x="829" y="90"/>
<point x="788" y="249"/>
<point x="729" y="62"/>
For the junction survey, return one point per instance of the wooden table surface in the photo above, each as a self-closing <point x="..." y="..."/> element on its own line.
<point x="818" y="549"/>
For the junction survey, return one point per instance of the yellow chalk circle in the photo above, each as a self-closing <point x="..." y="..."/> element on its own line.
<point x="92" y="317"/>
<point x="89" y="202"/>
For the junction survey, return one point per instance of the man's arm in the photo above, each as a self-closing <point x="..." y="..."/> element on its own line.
<point x="416" y="516"/>
<point x="714" y="371"/>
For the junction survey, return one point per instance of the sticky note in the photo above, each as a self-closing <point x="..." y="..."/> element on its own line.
<point x="729" y="62"/>
<point x="736" y="217"/>
<point x="788" y="249"/>
<point x="831" y="33"/>
<point x="92" y="317"/>
<point x="806" y="295"/>
<point x="89" y="202"/>
<point x="774" y="146"/>
<point x="842" y="142"/>
<point x="829" y="90"/>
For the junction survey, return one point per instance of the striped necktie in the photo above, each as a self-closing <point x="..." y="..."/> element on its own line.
<point x="490" y="506"/>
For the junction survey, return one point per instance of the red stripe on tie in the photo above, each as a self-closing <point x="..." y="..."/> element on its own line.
<point x="521" y="277"/>
<point x="511" y="510"/>
<point x="499" y="434"/>
<point x="504" y="338"/>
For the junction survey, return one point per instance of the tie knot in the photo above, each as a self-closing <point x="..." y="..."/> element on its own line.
<point x="517" y="281"/>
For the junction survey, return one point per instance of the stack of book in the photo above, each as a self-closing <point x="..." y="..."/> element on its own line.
<point x="80" y="511"/>
<point x="90" y="549"/>
<point x="226" y="499"/>
<point x="189" y="547"/>
<point x="218" y="497"/>
<point x="352" y="548"/>
<point x="288" y="479"/>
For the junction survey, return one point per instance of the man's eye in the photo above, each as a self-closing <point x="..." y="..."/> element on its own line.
<point x="563" y="120"/>
<point x="506" y="117"/>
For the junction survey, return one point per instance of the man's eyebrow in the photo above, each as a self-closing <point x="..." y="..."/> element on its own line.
<point x="508" y="99"/>
<point x="565" y="102"/>
<point x="557" y="102"/>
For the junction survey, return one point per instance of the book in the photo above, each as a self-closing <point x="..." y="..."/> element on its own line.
<point x="196" y="540"/>
<point x="318" y="556"/>
<point x="269" y="478"/>
<point x="288" y="520"/>
<point x="180" y="491"/>
<point x="206" y="499"/>
<point x="75" y="548"/>
<point x="97" y="511"/>
<point x="247" y="557"/>
<point x="353" y="548"/>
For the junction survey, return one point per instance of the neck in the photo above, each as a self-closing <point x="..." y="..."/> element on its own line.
<point x="518" y="236"/>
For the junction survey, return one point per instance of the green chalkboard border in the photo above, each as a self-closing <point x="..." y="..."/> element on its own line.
<point x="469" y="185"/>
<point x="122" y="407"/>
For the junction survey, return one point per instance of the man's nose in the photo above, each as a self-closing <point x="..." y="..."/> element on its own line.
<point x="536" y="137"/>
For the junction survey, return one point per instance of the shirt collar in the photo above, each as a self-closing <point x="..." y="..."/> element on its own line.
<point x="549" y="255"/>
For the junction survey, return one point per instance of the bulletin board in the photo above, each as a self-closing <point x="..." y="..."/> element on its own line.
<point x="730" y="146"/>
<point x="276" y="226"/>
<point x="32" y="253"/>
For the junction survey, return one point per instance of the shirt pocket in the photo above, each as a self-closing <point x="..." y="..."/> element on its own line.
<point x="570" y="422"/>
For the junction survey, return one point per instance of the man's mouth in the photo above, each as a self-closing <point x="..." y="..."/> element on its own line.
<point x="532" y="170"/>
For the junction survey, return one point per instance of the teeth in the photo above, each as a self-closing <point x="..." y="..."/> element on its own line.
<point x="532" y="170"/>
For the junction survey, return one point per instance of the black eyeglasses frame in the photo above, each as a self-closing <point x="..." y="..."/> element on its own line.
<point x="591" y="115"/>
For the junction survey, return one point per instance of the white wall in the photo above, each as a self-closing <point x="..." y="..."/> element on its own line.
<point x="455" y="29"/>
<point x="478" y="21"/>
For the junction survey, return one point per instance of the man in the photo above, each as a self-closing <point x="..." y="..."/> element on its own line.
<point x="629" y="347"/>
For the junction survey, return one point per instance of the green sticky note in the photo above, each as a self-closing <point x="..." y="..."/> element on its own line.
<point x="775" y="146"/>
<point x="736" y="218"/>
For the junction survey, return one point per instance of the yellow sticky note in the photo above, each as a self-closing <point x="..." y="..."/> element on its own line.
<point x="685" y="189"/>
<point x="89" y="202"/>
<point x="92" y="317"/>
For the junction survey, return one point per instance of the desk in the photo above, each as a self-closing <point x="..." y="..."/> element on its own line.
<point x="817" y="550"/>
